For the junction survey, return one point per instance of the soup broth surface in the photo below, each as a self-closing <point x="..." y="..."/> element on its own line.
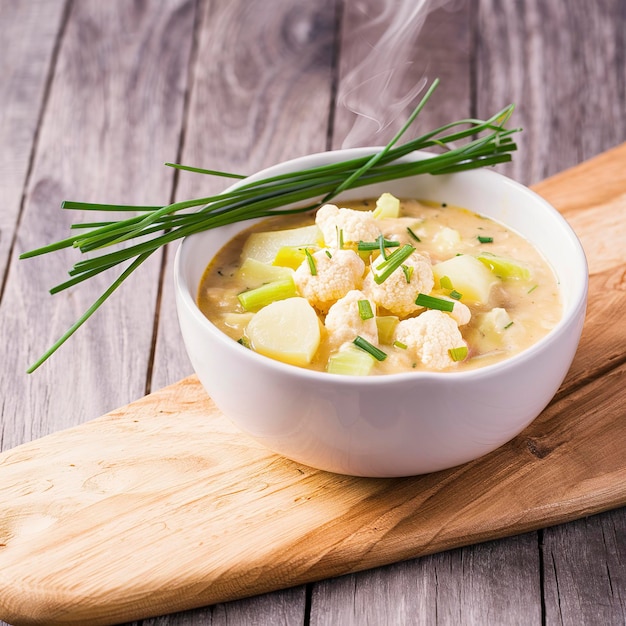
<point x="521" y="306"/>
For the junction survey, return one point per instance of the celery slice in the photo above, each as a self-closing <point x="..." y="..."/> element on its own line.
<point x="256" y="299"/>
<point x="350" y="361"/>
<point x="386" y="325"/>
<point x="504" y="267"/>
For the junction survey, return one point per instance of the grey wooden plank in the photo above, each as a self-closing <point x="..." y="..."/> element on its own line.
<point x="390" y="52"/>
<point x="466" y="586"/>
<point x="112" y="116"/>
<point x="563" y="64"/>
<point x="286" y="608"/>
<point x="29" y="32"/>
<point x="251" y="106"/>
<point x="585" y="570"/>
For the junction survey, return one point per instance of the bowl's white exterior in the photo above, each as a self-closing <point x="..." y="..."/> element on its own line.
<point x="401" y="424"/>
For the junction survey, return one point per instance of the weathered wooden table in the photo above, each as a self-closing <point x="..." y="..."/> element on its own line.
<point x="97" y="96"/>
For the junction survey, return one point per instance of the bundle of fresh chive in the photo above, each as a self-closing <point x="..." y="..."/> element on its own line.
<point x="488" y="143"/>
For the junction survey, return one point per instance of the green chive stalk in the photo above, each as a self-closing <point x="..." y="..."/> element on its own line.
<point x="466" y="144"/>
<point x="386" y="268"/>
<point x="364" y="246"/>
<point x="458" y="354"/>
<point x="365" y="310"/>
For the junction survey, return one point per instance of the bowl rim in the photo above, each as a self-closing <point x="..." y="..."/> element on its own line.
<point x="185" y="293"/>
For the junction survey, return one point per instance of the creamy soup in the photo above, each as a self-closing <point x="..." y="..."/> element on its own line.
<point x="381" y="286"/>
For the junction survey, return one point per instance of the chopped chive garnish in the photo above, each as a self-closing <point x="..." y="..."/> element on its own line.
<point x="381" y="246"/>
<point x="365" y="310"/>
<point x="458" y="354"/>
<point x="455" y="294"/>
<point x="399" y="344"/>
<point x="408" y="272"/>
<point x="431" y="302"/>
<point x="364" y="344"/>
<point x="328" y="254"/>
<point x="445" y="282"/>
<point x="533" y="288"/>
<point x="485" y="239"/>
<point x="508" y="325"/>
<point x="311" y="262"/>
<point x="244" y="342"/>
<point x="363" y="246"/>
<point x="410" y="231"/>
<point x="339" y="237"/>
<point x="385" y="269"/>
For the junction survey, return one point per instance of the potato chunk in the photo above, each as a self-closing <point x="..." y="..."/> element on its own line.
<point x="253" y="273"/>
<point x="468" y="276"/>
<point x="264" y="246"/>
<point x="286" y="330"/>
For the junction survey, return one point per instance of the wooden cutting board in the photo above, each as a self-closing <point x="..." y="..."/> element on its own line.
<point x="163" y="505"/>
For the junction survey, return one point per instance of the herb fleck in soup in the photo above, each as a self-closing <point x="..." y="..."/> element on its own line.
<point x="382" y="286"/>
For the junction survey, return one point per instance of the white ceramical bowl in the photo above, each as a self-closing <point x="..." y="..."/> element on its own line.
<point x="399" y="424"/>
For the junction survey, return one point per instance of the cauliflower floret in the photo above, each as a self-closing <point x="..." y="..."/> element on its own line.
<point x="354" y="225"/>
<point x="496" y="320"/>
<point x="430" y="336"/>
<point x="396" y="294"/>
<point x="335" y="276"/>
<point x="461" y="313"/>
<point x="344" y="322"/>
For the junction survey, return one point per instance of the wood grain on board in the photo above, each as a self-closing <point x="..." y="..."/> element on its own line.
<point x="562" y="64"/>
<point x="164" y="505"/>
